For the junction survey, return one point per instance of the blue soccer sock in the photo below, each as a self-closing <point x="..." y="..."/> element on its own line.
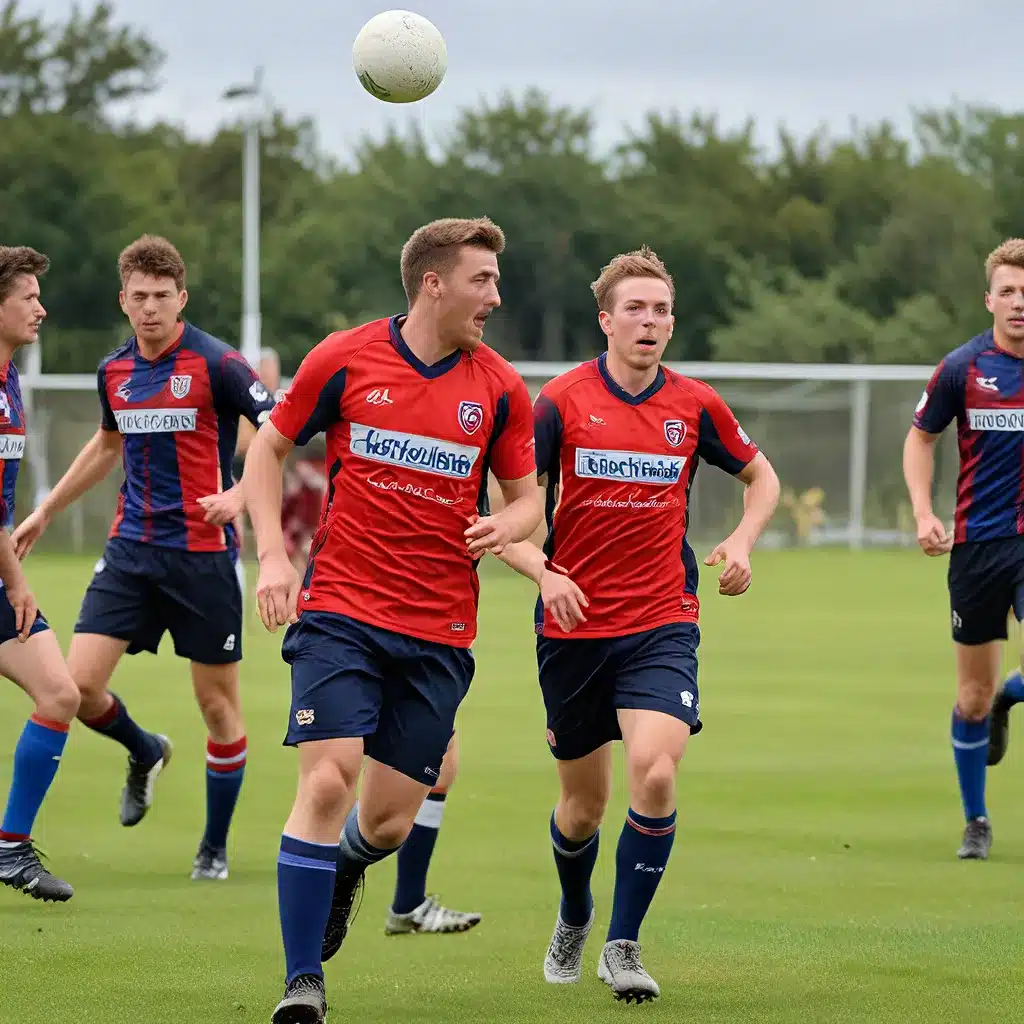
<point x="305" y="887"/>
<point x="415" y="853"/>
<point x="640" y="861"/>
<point x="1014" y="688"/>
<point x="355" y="853"/>
<point x="36" y="760"/>
<point x="970" y="751"/>
<point x="115" y="722"/>
<point x="575" y="860"/>
<point x="225" y="769"/>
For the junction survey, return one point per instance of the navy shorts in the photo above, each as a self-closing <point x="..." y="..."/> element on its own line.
<point x="140" y="591"/>
<point x="8" y="630"/>
<point x="398" y="692"/>
<point x="986" y="583"/>
<point x="586" y="681"/>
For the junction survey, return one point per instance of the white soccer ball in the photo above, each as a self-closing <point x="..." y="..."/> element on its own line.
<point x="399" y="57"/>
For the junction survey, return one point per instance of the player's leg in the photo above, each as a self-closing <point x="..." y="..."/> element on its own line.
<point x="1010" y="693"/>
<point x="38" y="667"/>
<point x="412" y="911"/>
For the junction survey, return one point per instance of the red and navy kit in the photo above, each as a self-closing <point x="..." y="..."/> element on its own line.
<point x="389" y="602"/>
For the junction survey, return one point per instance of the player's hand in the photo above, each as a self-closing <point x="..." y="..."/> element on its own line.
<point x="24" y="604"/>
<point x="224" y="507"/>
<point x="29" y="531"/>
<point x="932" y="536"/>
<point x="563" y="599"/>
<point x="277" y="592"/>
<point x="735" y="577"/>
<point x="487" y="533"/>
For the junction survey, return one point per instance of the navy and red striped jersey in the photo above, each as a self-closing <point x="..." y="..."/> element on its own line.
<point x="409" y="447"/>
<point x="618" y="471"/>
<point x="12" y="439"/>
<point x="178" y="419"/>
<point x="981" y="386"/>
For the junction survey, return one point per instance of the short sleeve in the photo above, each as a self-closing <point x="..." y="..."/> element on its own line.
<point x="512" y="457"/>
<point x="241" y="391"/>
<point x="547" y="433"/>
<point x="313" y="402"/>
<point x="107" y="420"/>
<point x="940" y="401"/>
<point x="721" y="441"/>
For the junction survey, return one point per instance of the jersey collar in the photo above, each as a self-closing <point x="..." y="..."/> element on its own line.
<point x="648" y="392"/>
<point x="438" y="369"/>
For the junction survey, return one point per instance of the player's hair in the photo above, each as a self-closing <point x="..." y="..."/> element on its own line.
<point x="435" y="247"/>
<point x="153" y="256"/>
<point x="16" y="261"/>
<point x="1009" y="254"/>
<point x="642" y="262"/>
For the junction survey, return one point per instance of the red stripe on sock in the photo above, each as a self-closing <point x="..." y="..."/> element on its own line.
<point x="11" y="837"/>
<point x="49" y="723"/>
<point x="105" y="719"/>
<point x="667" y="830"/>
<point x="224" y="758"/>
<point x="438" y="791"/>
<point x="225" y="749"/>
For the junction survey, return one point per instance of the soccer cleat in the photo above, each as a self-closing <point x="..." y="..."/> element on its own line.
<point x="347" y="887"/>
<point x="304" y="1002"/>
<point x="621" y="970"/>
<point x="563" y="964"/>
<point x="210" y="864"/>
<point x="999" y="727"/>
<point x="137" y="795"/>
<point x="20" y="868"/>
<point x="430" y="918"/>
<point x="977" y="840"/>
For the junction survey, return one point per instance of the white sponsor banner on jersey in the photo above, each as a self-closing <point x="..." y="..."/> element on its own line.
<point x="1009" y="420"/>
<point x="629" y="467"/>
<point x="413" y="451"/>
<point x="12" y="446"/>
<point x="155" y="421"/>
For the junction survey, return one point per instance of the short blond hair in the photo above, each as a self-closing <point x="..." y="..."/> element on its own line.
<point x="152" y="256"/>
<point x="19" y="261"/>
<point x="642" y="262"/>
<point x="435" y="247"/>
<point x="1009" y="254"/>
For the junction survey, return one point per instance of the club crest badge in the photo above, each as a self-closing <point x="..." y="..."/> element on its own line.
<point x="675" y="431"/>
<point x="181" y="384"/>
<point x="471" y="416"/>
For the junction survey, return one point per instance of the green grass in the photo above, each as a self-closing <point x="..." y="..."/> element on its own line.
<point x="813" y="876"/>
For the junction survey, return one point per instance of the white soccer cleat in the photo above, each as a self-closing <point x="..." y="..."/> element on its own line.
<point x="563" y="964"/>
<point x="431" y="918"/>
<point x="621" y="970"/>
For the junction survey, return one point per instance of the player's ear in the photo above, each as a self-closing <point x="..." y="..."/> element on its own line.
<point x="432" y="284"/>
<point x="988" y="302"/>
<point x="604" y="318"/>
<point x="182" y="299"/>
<point x="121" y="302"/>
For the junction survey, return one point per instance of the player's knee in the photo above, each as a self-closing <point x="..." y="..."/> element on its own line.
<point x="221" y="713"/>
<point x="386" y="829"/>
<point x="326" y="787"/>
<point x="60" y="702"/>
<point x="654" y="776"/>
<point x="449" y="770"/>
<point x="974" y="699"/>
<point x="580" y="814"/>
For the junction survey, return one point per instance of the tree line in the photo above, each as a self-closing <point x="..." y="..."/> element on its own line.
<point x="863" y="248"/>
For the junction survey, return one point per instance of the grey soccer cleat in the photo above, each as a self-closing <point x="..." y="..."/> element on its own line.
<point x="137" y="795"/>
<point x="304" y="1002"/>
<point x="210" y="865"/>
<point x="430" y="918"/>
<point x="21" y="869"/>
<point x="621" y="970"/>
<point x="563" y="964"/>
<point x="977" y="840"/>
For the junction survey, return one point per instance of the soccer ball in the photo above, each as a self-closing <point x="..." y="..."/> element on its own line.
<point x="399" y="57"/>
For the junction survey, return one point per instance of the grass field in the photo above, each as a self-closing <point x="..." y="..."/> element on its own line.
<point x="813" y="876"/>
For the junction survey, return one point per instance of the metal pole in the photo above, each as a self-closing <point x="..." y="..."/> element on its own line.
<point x="860" y="400"/>
<point x="251" y="320"/>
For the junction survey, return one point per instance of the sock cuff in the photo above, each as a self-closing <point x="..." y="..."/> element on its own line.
<point x="355" y="846"/>
<point x="50" y="724"/>
<point x="431" y="812"/>
<point x="226" y="757"/>
<point x="651" y="826"/>
<point x="108" y="717"/>
<point x="966" y="734"/>
<point x="298" y="853"/>
<point x="440" y="795"/>
<point x="569" y="847"/>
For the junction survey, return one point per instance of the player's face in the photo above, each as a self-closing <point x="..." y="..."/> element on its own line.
<point x="468" y="295"/>
<point x="152" y="304"/>
<point x="1005" y="301"/>
<point x="640" y="322"/>
<point x="21" y="312"/>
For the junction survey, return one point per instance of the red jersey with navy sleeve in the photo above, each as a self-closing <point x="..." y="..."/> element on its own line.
<point x="981" y="387"/>
<point x="618" y="471"/>
<point x="178" y="419"/>
<point x="12" y="440"/>
<point x="409" y="447"/>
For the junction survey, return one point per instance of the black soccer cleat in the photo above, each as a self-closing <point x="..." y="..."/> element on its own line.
<point x="347" y="887"/>
<point x="977" y="840"/>
<point x="137" y="795"/>
<point x="209" y="864"/>
<point x="20" y="868"/>
<point x="304" y="1002"/>
<point x="999" y="727"/>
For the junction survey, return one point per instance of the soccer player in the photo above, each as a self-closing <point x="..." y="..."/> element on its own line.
<point x="171" y="397"/>
<point x="416" y="411"/>
<point x="979" y="385"/>
<point x="621" y="437"/>
<point x="30" y="655"/>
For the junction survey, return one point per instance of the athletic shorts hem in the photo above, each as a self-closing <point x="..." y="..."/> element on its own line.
<point x="627" y="702"/>
<point x="295" y="739"/>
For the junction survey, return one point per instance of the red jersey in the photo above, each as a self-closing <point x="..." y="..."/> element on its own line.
<point x="408" y="451"/>
<point x="625" y="464"/>
<point x="304" y="489"/>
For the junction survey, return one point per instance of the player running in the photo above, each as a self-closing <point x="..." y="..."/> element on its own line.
<point x="171" y="397"/>
<point x="980" y="386"/>
<point x="621" y="436"/>
<point x="416" y="411"/>
<point x="30" y="655"/>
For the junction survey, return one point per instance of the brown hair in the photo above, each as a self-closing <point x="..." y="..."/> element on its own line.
<point x="1009" y="254"/>
<point x="642" y="262"/>
<point x="15" y="262"/>
<point x="153" y="256"/>
<point x="435" y="247"/>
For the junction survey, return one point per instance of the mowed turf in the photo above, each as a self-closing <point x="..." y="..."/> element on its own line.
<point x="813" y="877"/>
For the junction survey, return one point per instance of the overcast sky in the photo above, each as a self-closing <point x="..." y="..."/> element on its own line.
<point x="798" y="62"/>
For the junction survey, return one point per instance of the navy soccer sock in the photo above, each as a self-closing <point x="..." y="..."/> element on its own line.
<point x="305" y="887"/>
<point x="355" y="854"/>
<point x="640" y="860"/>
<point x="970" y="752"/>
<point x="575" y="860"/>
<point x="117" y="724"/>
<point x="225" y="769"/>
<point x="415" y="853"/>
<point x="1014" y="688"/>
<point x="36" y="760"/>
